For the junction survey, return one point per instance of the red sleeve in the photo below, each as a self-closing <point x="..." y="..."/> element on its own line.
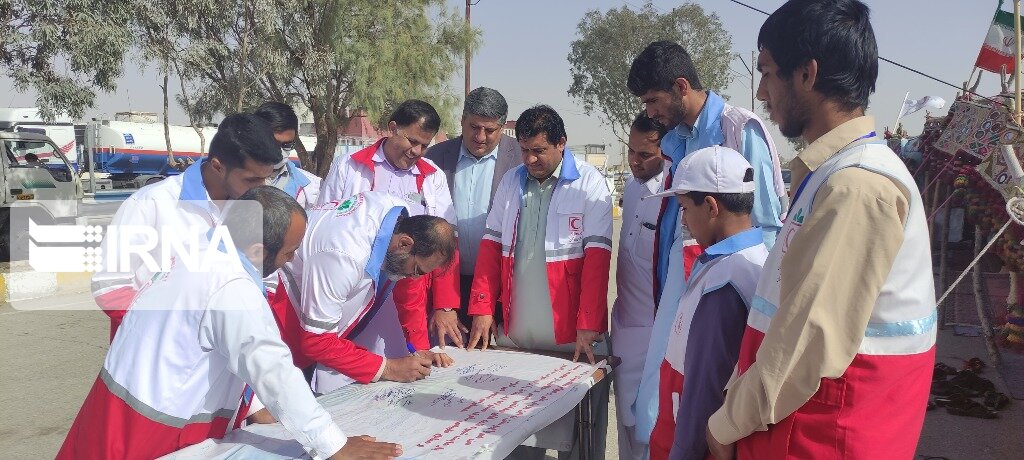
<point x="410" y="296"/>
<point x="593" y="315"/>
<point x="341" y="355"/>
<point x="487" y="279"/>
<point x="444" y="285"/>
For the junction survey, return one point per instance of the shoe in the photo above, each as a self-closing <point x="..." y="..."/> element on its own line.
<point x="969" y="408"/>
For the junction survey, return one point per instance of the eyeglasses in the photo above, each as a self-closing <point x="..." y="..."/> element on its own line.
<point x="288" y="145"/>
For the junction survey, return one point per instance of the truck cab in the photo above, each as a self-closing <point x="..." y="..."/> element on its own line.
<point x="38" y="182"/>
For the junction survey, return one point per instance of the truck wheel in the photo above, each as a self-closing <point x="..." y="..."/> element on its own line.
<point x="5" y="235"/>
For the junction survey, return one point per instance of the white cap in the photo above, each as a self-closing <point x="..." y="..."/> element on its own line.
<point x="712" y="170"/>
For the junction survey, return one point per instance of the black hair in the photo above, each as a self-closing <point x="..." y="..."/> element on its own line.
<point x="658" y="66"/>
<point x="31" y="157"/>
<point x="739" y="203"/>
<point x="415" y="111"/>
<point x="248" y="227"/>
<point x="540" y="119"/>
<point x="646" y="124"/>
<point x="430" y="235"/>
<point x="837" y="34"/>
<point x="241" y="136"/>
<point x="280" y="116"/>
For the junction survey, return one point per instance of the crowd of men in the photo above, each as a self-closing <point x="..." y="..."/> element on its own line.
<point x="750" y="321"/>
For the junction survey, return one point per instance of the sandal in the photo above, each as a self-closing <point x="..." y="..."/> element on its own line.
<point x="943" y="370"/>
<point x="969" y="408"/>
<point x="995" y="400"/>
<point x="975" y="364"/>
<point x="944" y="388"/>
<point x="952" y="399"/>
<point x="971" y="384"/>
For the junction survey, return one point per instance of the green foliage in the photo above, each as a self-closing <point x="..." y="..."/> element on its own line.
<point x="608" y="42"/>
<point x="64" y="50"/>
<point x="331" y="56"/>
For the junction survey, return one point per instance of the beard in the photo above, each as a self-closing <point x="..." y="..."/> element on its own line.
<point x="793" y="121"/>
<point x="393" y="263"/>
<point x="676" y="111"/>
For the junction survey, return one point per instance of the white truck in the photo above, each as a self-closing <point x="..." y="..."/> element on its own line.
<point x="38" y="182"/>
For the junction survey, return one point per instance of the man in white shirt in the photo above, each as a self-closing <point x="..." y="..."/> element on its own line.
<point x="195" y="338"/>
<point x="635" y="304"/>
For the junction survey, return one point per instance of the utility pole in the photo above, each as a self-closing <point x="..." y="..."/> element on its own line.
<point x="753" y="60"/>
<point x="468" y="24"/>
<point x="750" y="69"/>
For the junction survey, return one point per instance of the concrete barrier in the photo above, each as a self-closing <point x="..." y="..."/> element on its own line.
<point x="19" y="282"/>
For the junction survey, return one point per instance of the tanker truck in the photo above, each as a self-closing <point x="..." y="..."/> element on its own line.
<point x="132" y="154"/>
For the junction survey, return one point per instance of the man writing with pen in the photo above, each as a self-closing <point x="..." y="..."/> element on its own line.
<point x="354" y="253"/>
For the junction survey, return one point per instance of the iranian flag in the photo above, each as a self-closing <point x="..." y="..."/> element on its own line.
<point x="1000" y="46"/>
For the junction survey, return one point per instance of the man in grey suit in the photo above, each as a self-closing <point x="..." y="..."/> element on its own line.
<point x="474" y="164"/>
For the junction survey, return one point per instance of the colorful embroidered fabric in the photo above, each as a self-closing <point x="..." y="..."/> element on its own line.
<point x="978" y="128"/>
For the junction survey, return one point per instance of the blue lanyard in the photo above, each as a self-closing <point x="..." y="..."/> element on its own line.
<point x="803" y="183"/>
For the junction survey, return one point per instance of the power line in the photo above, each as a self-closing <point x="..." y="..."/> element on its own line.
<point x="961" y="88"/>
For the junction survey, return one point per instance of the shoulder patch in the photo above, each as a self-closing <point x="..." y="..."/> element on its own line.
<point x="349" y="205"/>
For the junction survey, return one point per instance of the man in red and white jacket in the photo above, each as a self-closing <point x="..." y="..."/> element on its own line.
<point x="242" y="155"/>
<point x="395" y="165"/>
<point x="354" y="252"/>
<point x="546" y="251"/>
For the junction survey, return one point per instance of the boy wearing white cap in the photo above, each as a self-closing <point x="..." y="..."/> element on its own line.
<point x="716" y="195"/>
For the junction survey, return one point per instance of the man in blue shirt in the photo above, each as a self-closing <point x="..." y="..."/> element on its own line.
<point x="664" y="78"/>
<point x="474" y="164"/>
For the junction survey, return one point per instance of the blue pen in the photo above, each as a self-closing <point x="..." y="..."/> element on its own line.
<point x="409" y="346"/>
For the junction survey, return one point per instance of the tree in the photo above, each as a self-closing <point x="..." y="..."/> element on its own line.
<point x="64" y="50"/>
<point x="332" y="56"/>
<point x="608" y="42"/>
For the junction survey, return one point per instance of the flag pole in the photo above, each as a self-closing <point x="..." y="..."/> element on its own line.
<point x="1016" y="63"/>
<point x="897" y="124"/>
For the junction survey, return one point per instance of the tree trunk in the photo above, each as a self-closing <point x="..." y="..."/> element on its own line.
<point x="167" y="124"/>
<point x="243" y="57"/>
<point x="323" y="155"/>
<point x="191" y="115"/>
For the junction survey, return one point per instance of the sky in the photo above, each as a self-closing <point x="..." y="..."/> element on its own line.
<point x="525" y="45"/>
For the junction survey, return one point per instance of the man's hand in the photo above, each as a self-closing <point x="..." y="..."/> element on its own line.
<point x="439" y="359"/>
<point x="585" y="343"/>
<point x="408" y="369"/>
<point x="261" y="416"/>
<point x="367" y="448"/>
<point x="446" y="323"/>
<point x="483" y="329"/>
<point x="719" y="450"/>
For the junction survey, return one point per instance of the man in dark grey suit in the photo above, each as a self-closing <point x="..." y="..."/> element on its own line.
<point x="474" y="164"/>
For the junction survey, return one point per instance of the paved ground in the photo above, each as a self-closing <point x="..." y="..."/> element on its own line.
<point x="51" y="358"/>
